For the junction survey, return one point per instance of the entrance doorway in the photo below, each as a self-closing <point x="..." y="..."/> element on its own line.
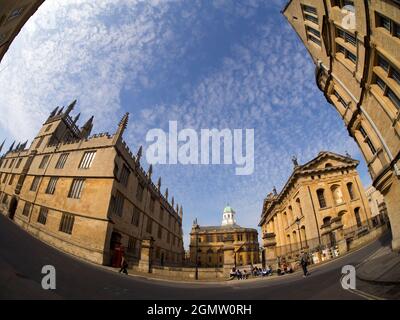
<point x="116" y="250"/>
<point x="12" y="208"/>
<point x="162" y="259"/>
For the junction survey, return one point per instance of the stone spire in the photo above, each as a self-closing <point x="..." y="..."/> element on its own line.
<point x="11" y="147"/>
<point x="2" y="145"/>
<point x="139" y="154"/>
<point x="181" y="212"/>
<point x="54" y="112"/>
<point x="150" y="171"/>
<point x="87" y="128"/>
<point x="23" y="146"/>
<point x="121" y="127"/>
<point x="172" y="202"/>
<point x="60" y="111"/>
<point x="18" y="146"/>
<point x="77" y="117"/>
<point x="159" y="184"/>
<point x="70" y="107"/>
<point x="274" y="191"/>
<point x="166" y="194"/>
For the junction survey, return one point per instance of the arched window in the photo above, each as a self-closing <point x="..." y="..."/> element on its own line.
<point x="290" y="214"/>
<point x="303" y="235"/>
<point x="295" y="239"/>
<point x="285" y="218"/>
<point x="326" y="220"/>
<point x="321" y="198"/>
<point x="350" y="189"/>
<point x="358" y="217"/>
<point x="337" y="194"/>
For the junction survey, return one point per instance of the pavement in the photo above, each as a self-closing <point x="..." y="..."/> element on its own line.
<point x="22" y="257"/>
<point x="379" y="273"/>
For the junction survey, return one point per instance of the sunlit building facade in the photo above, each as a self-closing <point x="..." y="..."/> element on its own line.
<point x="210" y="242"/>
<point x="355" y="46"/>
<point x="88" y="195"/>
<point x="322" y="204"/>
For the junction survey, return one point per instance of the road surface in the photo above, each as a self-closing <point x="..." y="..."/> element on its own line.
<point x="23" y="256"/>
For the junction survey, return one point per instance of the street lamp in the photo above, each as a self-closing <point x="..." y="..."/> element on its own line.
<point x="298" y="228"/>
<point x="196" y="228"/>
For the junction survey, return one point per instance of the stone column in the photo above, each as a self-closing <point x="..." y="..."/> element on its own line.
<point x="229" y="254"/>
<point x="281" y="230"/>
<point x="146" y="252"/>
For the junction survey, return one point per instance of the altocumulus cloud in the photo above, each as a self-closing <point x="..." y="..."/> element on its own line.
<point x="207" y="64"/>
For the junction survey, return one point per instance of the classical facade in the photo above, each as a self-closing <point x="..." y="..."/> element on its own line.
<point x="88" y="195"/>
<point x="377" y="205"/>
<point x="13" y="16"/>
<point x="322" y="203"/>
<point x="213" y="242"/>
<point x="355" y="46"/>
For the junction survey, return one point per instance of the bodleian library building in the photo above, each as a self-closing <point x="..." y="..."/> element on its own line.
<point x="89" y="196"/>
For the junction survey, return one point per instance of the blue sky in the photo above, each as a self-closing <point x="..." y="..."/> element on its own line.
<point x="206" y="64"/>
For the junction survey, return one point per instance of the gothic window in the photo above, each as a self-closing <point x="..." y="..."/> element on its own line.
<point x="51" y="187"/>
<point x="44" y="162"/>
<point x="124" y="176"/>
<point x="42" y="218"/>
<point x="87" y="160"/>
<point x="62" y="160"/>
<point x="76" y="188"/>
<point x="27" y="209"/>
<point x="67" y="223"/>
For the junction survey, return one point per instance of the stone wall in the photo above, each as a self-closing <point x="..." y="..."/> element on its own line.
<point x="186" y="273"/>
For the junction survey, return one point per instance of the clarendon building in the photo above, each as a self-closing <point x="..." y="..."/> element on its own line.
<point x="13" y="16"/>
<point x="321" y="206"/>
<point x="88" y="195"/>
<point x="209" y="244"/>
<point x="355" y="46"/>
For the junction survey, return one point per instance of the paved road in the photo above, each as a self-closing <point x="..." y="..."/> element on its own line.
<point x="22" y="257"/>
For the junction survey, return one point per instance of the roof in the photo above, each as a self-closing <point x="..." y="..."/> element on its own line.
<point x="228" y="209"/>
<point x="233" y="227"/>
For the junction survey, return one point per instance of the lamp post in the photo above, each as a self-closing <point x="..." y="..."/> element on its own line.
<point x="298" y="228"/>
<point x="197" y="252"/>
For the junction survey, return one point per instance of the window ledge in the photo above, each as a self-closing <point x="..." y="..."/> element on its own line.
<point x="347" y="63"/>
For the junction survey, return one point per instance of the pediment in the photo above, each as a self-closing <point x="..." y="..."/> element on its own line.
<point x="326" y="160"/>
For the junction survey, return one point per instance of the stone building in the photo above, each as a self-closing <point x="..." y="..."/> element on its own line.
<point x="88" y="195"/>
<point x="322" y="203"/>
<point x="377" y="205"/>
<point x="213" y="242"/>
<point x="13" y="16"/>
<point x="355" y="46"/>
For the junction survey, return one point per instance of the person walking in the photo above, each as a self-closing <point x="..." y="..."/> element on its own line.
<point x="304" y="264"/>
<point x="124" y="265"/>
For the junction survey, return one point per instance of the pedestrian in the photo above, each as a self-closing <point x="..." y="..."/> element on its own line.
<point x="304" y="264"/>
<point x="124" y="265"/>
